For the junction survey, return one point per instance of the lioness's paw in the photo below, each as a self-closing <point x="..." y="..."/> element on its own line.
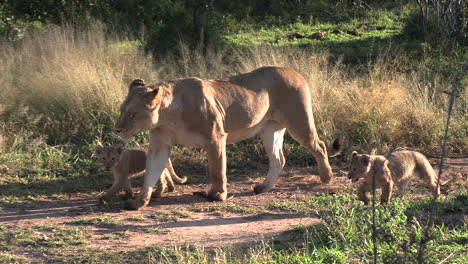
<point x="134" y="204"/>
<point x="202" y="194"/>
<point x="326" y="178"/>
<point x="260" y="188"/>
<point x="216" y="196"/>
<point x="128" y="196"/>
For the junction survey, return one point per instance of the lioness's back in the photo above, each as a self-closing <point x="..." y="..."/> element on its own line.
<point x="268" y="76"/>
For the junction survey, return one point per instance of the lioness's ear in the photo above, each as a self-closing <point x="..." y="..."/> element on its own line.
<point x="119" y="148"/>
<point x="151" y="95"/>
<point x="137" y="83"/>
<point x="365" y="159"/>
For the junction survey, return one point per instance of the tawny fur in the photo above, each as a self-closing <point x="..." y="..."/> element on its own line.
<point x="212" y="113"/>
<point x="398" y="169"/>
<point x="125" y="163"/>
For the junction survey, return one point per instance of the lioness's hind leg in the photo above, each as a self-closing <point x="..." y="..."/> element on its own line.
<point x="318" y="150"/>
<point x="296" y="115"/>
<point x="272" y="136"/>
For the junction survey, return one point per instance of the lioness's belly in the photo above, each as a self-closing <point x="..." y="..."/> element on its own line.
<point x="245" y="133"/>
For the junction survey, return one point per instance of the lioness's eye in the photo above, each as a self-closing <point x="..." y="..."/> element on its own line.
<point x="103" y="158"/>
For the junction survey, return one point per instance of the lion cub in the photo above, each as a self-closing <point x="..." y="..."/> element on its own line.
<point x="397" y="169"/>
<point x="127" y="162"/>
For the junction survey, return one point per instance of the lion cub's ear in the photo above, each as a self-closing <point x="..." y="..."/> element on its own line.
<point x="354" y="153"/>
<point x="119" y="148"/>
<point x="98" y="149"/>
<point x="365" y="159"/>
<point x="137" y="83"/>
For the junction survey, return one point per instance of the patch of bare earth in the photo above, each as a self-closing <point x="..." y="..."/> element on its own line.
<point x="180" y="218"/>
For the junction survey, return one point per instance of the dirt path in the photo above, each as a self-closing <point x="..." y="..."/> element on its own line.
<point x="179" y="218"/>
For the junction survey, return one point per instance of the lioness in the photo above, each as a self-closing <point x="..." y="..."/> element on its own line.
<point x="210" y="113"/>
<point x="398" y="168"/>
<point x="127" y="162"/>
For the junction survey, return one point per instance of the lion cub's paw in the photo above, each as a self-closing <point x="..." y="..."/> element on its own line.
<point x="103" y="201"/>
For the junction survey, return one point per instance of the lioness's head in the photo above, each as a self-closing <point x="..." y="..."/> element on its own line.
<point x="360" y="165"/>
<point x="139" y="111"/>
<point x="108" y="156"/>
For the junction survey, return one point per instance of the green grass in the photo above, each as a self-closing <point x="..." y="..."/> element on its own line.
<point x="172" y="215"/>
<point x="380" y="89"/>
<point x="226" y="207"/>
<point x="344" y="236"/>
<point x="119" y="235"/>
<point x="38" y="240"/>
<point x="100" y="221"/>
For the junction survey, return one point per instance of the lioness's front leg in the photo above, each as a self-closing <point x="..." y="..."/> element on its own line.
<point x="217" y="162"/>
<point x="156" y="160"/>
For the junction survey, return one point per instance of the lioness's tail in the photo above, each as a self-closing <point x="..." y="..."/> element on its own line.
<point x="336" y="147"/>
<point x="173" y="174"/>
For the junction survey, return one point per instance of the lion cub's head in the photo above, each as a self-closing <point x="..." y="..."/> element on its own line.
<point x="108" y="156"/>
<point x="360" y="165"/>
<point x="139" y="110"/>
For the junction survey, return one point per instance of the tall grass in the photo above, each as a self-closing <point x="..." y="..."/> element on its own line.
<point x="65" y="86"/>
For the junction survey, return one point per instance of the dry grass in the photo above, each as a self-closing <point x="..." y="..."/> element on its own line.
<point x="67" y="86"/>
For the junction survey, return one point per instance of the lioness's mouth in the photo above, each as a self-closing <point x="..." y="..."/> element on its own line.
<point x="355" y="179"/>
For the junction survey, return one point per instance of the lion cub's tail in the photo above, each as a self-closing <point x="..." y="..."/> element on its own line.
<point x="336" y="147"/>
<point x="173" y="174"/>
<point x="178" y="179"/>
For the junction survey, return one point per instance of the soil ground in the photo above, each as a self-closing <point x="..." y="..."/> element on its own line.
<point x="180" y="218"/>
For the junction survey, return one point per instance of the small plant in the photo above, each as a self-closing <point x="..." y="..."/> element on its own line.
<point x="138" y="218"/>
<point x="172" y="215"/>
<point x="117" y="235"/>
<point x="52" y="236"/>
<point x="101" y="221"/>
<point x="225" y="208"/>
